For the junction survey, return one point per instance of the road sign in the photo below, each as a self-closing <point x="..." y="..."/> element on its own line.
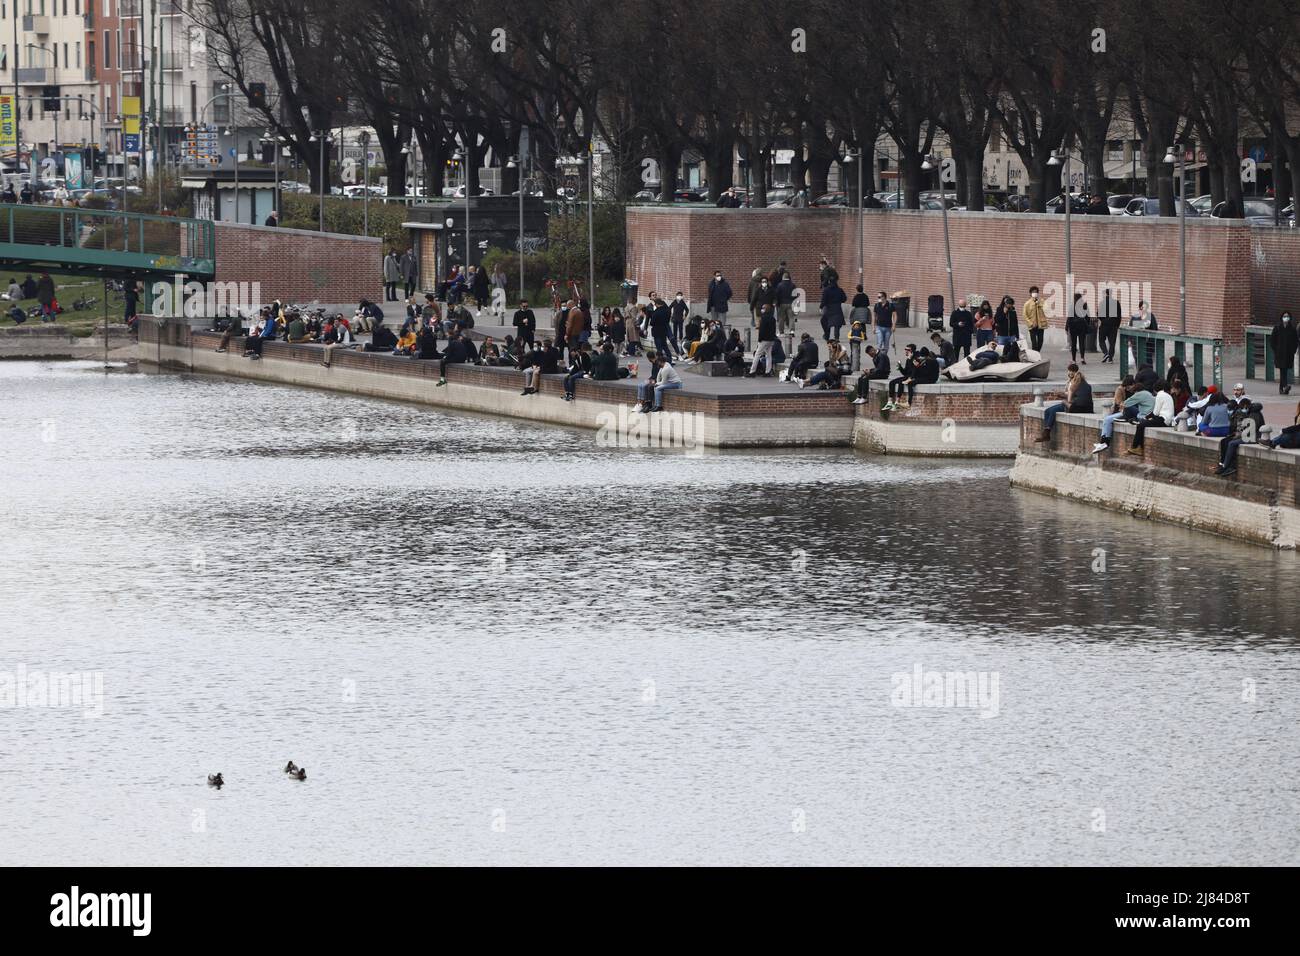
<point x="130" y="142"/>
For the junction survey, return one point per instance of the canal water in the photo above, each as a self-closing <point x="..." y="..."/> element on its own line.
<point x="492" y="642"/>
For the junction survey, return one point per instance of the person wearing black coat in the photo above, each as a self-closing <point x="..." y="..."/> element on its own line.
<point x="784" y="302"/>
<point x="456" y="354"/>
<point x="1109" y="316"/>
<point x="479" y="288"/>
<point x="833" y="299"/>
<point x="962" y="323"/>
<point x="427" y="344"/>
<point x="1006" y="325"/>
<point x="677" y="318"/>
<point x="661" y="327"/>
<point x="805" y="358"/>
<point x="1077" y="324"/>
<point x="1285" y="340"/>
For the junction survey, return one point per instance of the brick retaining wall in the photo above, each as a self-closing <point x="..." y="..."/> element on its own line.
<point x="297" y="265"/>
<point x="1235" y="273"/>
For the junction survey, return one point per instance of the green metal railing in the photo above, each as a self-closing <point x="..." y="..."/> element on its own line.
<point x="1206" y="354"/>
<point x="106" y="239"/>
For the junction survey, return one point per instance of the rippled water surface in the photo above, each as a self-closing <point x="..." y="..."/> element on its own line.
<point x="492" y="642"/>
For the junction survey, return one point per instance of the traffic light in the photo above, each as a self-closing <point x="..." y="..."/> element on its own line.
<point x="257" y="95"/>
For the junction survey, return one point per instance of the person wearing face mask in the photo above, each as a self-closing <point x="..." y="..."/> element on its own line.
<point x="719" y="296"/>
<point x="677" y="315"/>
<point x="756" y="280"/>
<point x="1285" y="340"/>
<point x="1035" y="319"/>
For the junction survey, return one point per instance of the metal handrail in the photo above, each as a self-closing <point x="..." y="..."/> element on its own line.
<point x="81" y="228"/>
<point x="1150" y="346"/>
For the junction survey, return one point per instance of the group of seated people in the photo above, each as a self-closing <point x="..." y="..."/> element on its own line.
<point x="919" y="367"/>
<point x="829" y="375"/>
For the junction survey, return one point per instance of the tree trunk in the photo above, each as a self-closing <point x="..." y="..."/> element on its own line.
<point x="913" y="178"/>
<point x="974" y="181"/>
<point x="1217" y="194"/>
<point x="1094" y="162"/>
<point x="670" y="155"/>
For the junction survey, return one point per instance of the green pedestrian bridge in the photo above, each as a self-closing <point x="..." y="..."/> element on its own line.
<point x="107" y="244"/>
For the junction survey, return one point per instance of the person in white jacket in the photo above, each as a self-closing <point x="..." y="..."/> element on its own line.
<point x="1161" y="416"/>
<point x="663" y="378"/>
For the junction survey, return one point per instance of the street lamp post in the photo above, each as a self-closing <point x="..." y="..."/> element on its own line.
<point x="933" y="162"/>
<point x="855" y="156"/>
<point x="1182" y="234"/>
<point x="591" y="232"/>
<point x="322" y="137"/>
<point x="364" y="139"/>
<point x="516" y="163"/>
<point x="1061" y="157"/>
<point x="462" y="157"/>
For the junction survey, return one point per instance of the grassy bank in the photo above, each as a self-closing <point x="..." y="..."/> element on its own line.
<point x="68" y="289"/>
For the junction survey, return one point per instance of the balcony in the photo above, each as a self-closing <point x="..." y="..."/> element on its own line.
<point x="39" y="75"/>
<point x="88" y="19"/>
<point x="36" y="24"/>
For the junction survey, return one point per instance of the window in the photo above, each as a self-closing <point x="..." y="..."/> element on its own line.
<point x="108" y="52"/>
<point x="66" y="62"/>
<point x="79" y="54"/>
<point x="54" y="53"/>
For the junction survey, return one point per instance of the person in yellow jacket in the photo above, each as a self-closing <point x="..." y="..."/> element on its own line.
<point x="1035" y="318"/>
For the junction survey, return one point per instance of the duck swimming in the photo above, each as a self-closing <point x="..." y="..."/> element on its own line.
<point x="290" y="767"/>
<point x="214" y="780"/>
<point x="298" y="774"/>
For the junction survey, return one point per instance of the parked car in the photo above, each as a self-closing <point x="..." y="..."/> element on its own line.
<point x="1257" y="211"/>
<point x="292" y="186"/>
<point x="1144" y="206"/>
<point x="780" y="195"/>
<point x="1078" y="205"/>
<point x="1117" y="202"/>
<point x="839" y="198"/>
<point x="1202" y="204"/>
<point x="1016" y="203"/>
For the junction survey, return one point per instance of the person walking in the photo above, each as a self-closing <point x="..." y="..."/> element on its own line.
<point x="757" y="284"/>
<point x="1285" y="339"/>
<point x="719" y="296"/>
<point x="677" y="322"/>
<point x="766" y="342"/>
<point x="1109" y="316"/>
<point x="661" y="327"/>
<point x="832" y="304"/>
<point x="525" y="323"/>
<point x="1076" y="329"/>
<point x="392" y="275"/>
<point x="478" y="287"/>
<point x="1035" y="319"/>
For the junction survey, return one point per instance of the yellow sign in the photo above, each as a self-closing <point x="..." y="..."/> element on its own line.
<point x="8" y="121"/>
<point x="130" y="114"/>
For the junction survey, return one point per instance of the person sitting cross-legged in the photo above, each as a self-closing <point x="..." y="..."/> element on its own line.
<point x="1132" y="402"/>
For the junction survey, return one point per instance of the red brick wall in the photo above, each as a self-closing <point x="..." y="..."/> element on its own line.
<point x="298" y="265"/>
<point x="993" y="254"/>
<point x="983" y="408"/>
<point x="1275" y="274"/>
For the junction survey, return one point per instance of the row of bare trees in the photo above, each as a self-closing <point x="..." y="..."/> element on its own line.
<point x="660" y="78"/>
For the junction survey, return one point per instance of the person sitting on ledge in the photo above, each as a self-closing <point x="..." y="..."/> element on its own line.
<point x="1147" y="378"/>
<point x="1011" y="352"/>
<point x="805" y="359"/>
<point x="1078" y="400"/>
<point x="297" y="331"/>
<point x="254" y="342"/>
<point x="426" y="344"/>
<point x="604" y="365"/>
<point x="368" y="315"/>
<point x="1161" y="416"/>
<point x="944" y="352"/>
<point x="711" y="348"/>
<point x="530" y="363"/>
<point x="382" y="339"/>
<point x="1248" y="422"/>
<point x="579" y="367"/>
<point x="405" y="342"/>
<point x="490" y="354"/>
<point x="233" y="328"/>
<point x="1132" y="402"/>
<point x="900" y="381"/>
<point x="879" y="370"/>
<point x="662" y="378"/>
<point x="1216" y="417"/>
<point x="733" y="352"/>
<point x="693" y="334"/>
<point x="833" y="372"/>
<point x="456" y="353"/>
<point x="1289" y="436"/>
